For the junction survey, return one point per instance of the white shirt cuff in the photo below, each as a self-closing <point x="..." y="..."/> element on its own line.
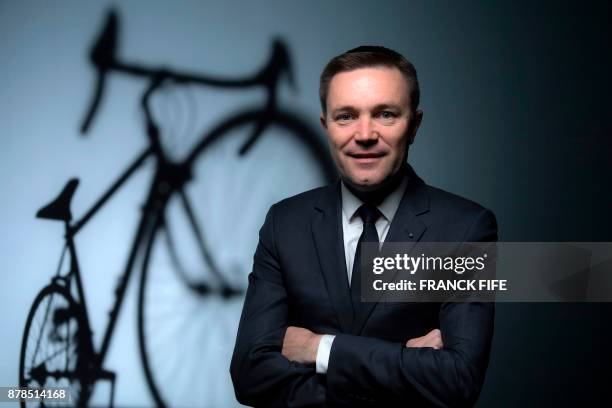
<point x="323" y="353"/>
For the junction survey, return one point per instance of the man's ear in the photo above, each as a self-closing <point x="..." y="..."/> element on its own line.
<point x="322" y="119"/>
<point x="416" y="122"/>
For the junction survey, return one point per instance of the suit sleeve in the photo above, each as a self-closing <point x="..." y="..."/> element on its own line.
<point x="452" y="376"/>
<point x="261" y="375"/>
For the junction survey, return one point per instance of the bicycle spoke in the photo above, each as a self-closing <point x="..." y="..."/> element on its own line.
<point x="174" y="255"/>
<point x="67" y="344"/>
<point x="207" y="257"/>
<point x="54" y="354"/>
<point x="48" y="306"/>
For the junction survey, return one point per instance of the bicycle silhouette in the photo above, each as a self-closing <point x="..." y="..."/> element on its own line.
<point x="57" y="346"/>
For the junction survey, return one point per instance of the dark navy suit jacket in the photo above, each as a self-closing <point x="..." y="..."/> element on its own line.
<point x="299" y="279"/>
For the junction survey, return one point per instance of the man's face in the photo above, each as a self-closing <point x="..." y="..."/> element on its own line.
<point x="370" y="125"/>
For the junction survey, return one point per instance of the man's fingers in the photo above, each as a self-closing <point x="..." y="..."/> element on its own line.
<point x="416" y="342"/>
<point x="432" y="339"/>
<point x="300" y="344"/>
<point x="412" y="342"/>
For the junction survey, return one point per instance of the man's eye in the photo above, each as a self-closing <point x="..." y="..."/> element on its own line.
<point x="387" y="115"/>
<point x="344" y="116"/>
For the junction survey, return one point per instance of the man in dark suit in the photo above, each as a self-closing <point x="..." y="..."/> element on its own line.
<point x="305" y="338"/>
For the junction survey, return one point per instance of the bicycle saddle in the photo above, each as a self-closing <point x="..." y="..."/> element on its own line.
<point x="59" y="209"/>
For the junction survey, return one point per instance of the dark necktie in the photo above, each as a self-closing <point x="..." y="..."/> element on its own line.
<point x="368" y="214"/>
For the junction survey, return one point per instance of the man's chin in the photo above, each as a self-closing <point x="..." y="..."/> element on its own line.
<point x="364" y="185"/>
<point x="367" y="182"/>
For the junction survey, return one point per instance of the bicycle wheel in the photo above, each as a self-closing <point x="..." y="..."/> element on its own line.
<point x="208" y="233"/>
<point x="51" y="349"/>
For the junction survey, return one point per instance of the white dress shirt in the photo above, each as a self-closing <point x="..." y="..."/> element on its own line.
<point x="352" y="227"/>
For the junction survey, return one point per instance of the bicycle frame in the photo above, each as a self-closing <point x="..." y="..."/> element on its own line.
<point x="141" y="233"/>
<point x="169" y="176"/>
<point x="103" y="57"/>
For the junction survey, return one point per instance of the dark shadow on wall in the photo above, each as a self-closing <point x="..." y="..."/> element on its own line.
<point x="58" y="348"/>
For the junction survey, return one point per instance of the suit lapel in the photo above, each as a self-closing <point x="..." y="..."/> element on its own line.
<point x="328" y="240"/>
<point x="405" y="227"/>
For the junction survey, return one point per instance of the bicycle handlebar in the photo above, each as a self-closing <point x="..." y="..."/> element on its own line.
<point x="280" y="63"/>
<point x="103" y="57"/>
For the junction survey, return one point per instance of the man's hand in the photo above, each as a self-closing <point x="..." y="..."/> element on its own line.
<point x="301" y="345"/>
<point x="432" y="339"/>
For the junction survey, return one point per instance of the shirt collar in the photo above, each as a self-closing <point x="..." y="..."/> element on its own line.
<point x="388" y="207"/>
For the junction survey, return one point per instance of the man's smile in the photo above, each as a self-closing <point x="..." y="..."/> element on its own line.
<point x="366" y="157"/>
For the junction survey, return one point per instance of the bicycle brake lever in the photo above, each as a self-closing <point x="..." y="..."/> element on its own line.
<point x="282" y="61"/>
<point x="93" y="106"/>
<point x="102" y="57"/>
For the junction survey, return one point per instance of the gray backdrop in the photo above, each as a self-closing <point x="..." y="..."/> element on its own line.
<point x="516" y="101"/>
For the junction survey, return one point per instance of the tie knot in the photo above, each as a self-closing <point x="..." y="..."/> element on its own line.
<point x="368" y="213"/>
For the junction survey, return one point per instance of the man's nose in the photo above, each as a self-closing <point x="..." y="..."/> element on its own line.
<point x="366" y="133"/>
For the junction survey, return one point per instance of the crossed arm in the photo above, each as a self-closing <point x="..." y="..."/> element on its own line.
<point x="301" y="345"/>
<point x="272" y="363"/>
